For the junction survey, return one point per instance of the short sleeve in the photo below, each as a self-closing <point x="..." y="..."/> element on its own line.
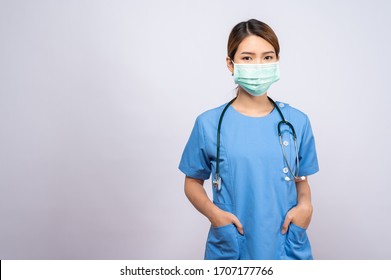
<point x="195" y="162"/>
<point x="307" y="152"/>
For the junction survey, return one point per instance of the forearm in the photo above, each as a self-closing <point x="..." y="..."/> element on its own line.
<point x="195" y="192"/>
<point x="197" y="195"/>
<point x="302" y="213"/>
<point x="303" y="194"/>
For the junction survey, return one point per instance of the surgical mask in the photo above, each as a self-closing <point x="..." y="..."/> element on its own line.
<point x="256" y="78"/>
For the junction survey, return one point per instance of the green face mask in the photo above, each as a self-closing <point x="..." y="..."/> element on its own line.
<point x="256" y="78"/>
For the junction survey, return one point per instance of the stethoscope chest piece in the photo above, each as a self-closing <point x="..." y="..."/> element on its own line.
<point x="217" y="182"/>
<point x="300" y="179"/>
<point x="297" y="179"/>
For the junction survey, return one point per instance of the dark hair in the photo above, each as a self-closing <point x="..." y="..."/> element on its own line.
<point x="247" y="28"/>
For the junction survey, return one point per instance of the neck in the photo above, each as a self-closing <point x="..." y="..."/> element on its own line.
<point x="254" y="106"/>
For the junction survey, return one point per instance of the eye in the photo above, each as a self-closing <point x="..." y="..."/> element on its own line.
<point x="247" y="58"/>
<point x="269" y="57"/>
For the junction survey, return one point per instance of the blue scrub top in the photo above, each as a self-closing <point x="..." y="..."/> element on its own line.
<point x="253" y="171"/>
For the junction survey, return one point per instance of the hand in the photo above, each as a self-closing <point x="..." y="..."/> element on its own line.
<point x="299" y="215"/>
<point x="222" y="218"/>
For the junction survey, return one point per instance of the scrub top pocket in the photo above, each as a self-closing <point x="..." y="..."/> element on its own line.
<point x="225" y="243"/>
<point x="297" y="244"/>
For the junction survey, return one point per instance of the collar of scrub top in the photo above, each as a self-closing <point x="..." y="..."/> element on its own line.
<point x="295" y="177"/>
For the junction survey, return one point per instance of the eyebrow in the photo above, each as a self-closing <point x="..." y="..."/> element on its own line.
<point x="255" y="53"/>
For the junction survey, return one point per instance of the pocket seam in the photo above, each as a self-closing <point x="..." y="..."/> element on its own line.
<point x="220" y="227"/>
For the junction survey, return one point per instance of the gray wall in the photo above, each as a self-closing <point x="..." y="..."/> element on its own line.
<point x="97" y="100"/>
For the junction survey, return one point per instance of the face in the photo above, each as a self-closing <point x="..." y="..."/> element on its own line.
<point x="253" y="50"/>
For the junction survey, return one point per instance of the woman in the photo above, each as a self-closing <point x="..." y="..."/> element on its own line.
<point x="261" y="197"/>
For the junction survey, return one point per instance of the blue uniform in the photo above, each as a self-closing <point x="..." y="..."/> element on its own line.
<point x="254" y="189"/>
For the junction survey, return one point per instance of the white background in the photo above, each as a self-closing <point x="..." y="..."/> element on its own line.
<point x="98" y="98"/>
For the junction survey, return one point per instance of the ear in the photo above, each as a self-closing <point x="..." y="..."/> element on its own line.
<point x="230" y="65"/>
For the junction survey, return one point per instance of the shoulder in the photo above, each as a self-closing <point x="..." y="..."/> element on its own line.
<point x="211" y="115"/>
<point x="291" y="113"/>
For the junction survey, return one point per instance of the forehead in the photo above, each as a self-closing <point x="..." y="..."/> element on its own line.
<point x="254" y="44"/>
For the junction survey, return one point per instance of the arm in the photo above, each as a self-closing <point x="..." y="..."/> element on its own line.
<point x="195" y="192"/>
<point x="301" y="214"/>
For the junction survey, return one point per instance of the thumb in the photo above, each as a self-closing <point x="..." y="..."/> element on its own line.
<point x="286" y="223"/>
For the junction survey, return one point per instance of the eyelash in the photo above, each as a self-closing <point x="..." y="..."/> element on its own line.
<point x="269" y="57"/>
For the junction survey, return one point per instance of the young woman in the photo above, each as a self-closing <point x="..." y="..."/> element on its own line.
<point x="260" y="154"/>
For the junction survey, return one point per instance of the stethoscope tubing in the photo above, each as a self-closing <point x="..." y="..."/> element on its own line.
<point x="217" y="179"/>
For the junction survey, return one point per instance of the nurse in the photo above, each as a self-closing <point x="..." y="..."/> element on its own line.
<point x="261" y="207"/>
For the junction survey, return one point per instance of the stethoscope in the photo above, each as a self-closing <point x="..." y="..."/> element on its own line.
<point x="295" y="177"/>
